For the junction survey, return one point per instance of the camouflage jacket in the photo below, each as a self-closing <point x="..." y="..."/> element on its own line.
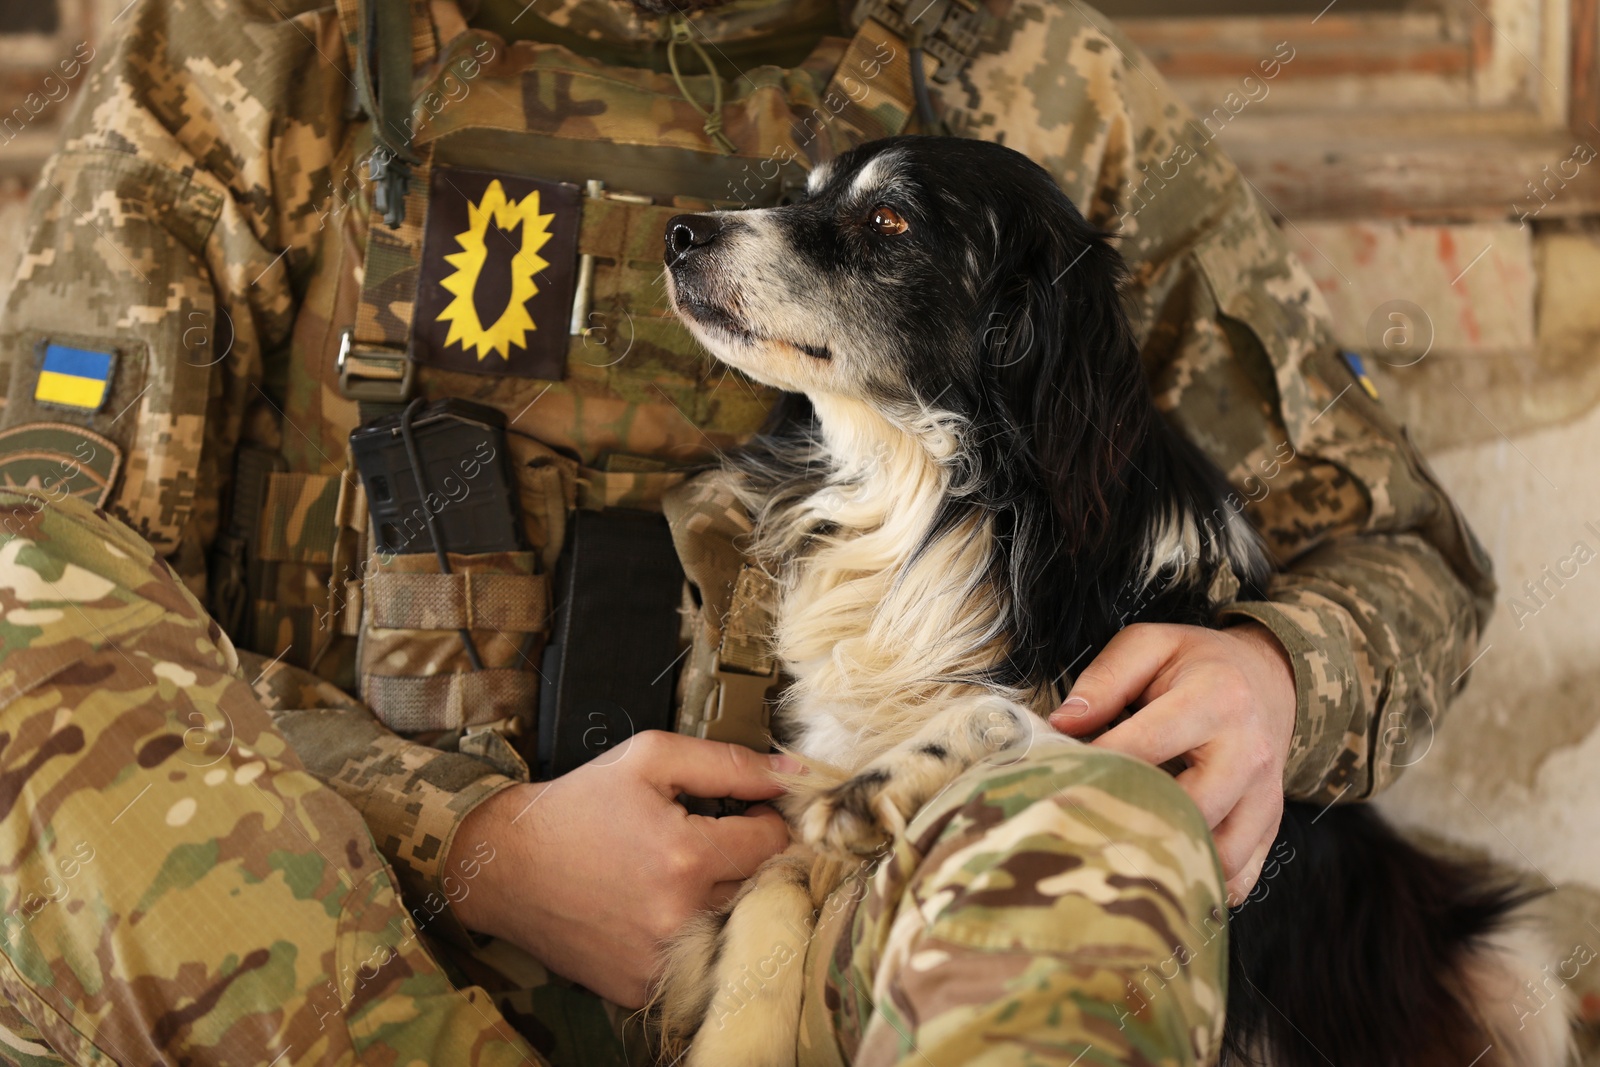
<point x="204" y="224"/>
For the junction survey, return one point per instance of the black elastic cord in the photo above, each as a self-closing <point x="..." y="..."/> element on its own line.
<point x="427" y="514"/>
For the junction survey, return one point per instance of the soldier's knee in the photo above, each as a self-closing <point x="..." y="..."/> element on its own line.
<point x="62" y="549"/>
<point x="1072" y="853"/>
<point x="1096" y="798"/>
<point x="1050" y="767"/>
<point x="1144" y="785"/>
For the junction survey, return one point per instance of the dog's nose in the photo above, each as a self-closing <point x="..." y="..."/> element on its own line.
<point x="688" y="232"/>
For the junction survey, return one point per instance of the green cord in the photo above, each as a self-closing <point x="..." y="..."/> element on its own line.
<point x="681" y="35"/>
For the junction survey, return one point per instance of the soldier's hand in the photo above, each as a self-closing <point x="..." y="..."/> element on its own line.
<point x="596" y="869"/>
<point x="1224" y="700"/>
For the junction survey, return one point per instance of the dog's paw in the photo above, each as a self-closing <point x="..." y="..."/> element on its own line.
<point x="731" y="990"/>
<point x="857" y="816"/>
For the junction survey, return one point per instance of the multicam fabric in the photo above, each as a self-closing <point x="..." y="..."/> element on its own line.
<point x="1060" y="907"/>
<point x="178" y="888"/>
<point x="206" y="216"/>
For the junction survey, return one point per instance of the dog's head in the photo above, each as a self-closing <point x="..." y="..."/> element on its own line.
<point x="904" y="253"/>
<point x="932" y="274"/>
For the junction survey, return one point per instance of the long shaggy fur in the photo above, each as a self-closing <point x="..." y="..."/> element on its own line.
<point x="967" y="493"/>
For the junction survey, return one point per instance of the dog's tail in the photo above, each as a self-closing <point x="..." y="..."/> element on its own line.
<point x="1362" y="950"/>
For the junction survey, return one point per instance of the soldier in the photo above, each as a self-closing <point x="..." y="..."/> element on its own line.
<point x="269" y="225"/>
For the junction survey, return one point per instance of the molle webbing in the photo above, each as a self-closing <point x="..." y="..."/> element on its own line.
<point x="449" y="701"/>
<point x="413" y="673"/>
<point x="237" y="569"/>
<point x="949" y="31"/>
<point x="518" y="602"/>
<point x="731" y="675"/>
<point x="389" y="278"/>
<point x="298" y="517"/>
<point x="744" y="671"/>
<point x="618" y="233"/>
<point x="294" y="539"/>
<point x="375" y="364"/>
<point x="869" y="96"/>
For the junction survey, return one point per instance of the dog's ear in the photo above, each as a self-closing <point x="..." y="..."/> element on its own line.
<point x="1062" y="351"/>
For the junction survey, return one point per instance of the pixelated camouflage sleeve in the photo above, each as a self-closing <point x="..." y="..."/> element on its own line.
<point x="165" y="233"/>
<point x="1383" y="590"/>
<point x="168" y="229"/>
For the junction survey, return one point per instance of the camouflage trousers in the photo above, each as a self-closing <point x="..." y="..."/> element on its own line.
<point x="178" y="888"/>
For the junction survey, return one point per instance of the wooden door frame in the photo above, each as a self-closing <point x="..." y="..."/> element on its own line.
<point x="1394" y="115"/>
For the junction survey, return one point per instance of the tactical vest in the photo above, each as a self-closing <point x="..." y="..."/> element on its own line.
<point x="505" y="246"/>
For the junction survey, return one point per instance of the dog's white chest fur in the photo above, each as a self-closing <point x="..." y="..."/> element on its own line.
<point x="874" y="626"/>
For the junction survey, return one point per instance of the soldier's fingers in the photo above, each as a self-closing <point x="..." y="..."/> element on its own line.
<point x="708" y="768"/>
<point x="1241" y="884"/>
<point x="1214" y="791"/>
<point x="1244" y="837"/>
<point x="1117" y="677"/>
<point x="1166" y="727"/>
<point x="741" y="843"/>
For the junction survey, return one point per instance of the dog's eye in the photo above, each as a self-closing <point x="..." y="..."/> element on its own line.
<point x="887" y="221"/>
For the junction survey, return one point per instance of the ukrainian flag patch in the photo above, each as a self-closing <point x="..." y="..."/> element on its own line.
<point x="1358" y="370"/>
<point x="76" y="378"/>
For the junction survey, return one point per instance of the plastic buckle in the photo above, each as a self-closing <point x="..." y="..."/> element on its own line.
<point x="736" y="709"/>
<point x="373" y="374"/>
<point x="391" y="184"/>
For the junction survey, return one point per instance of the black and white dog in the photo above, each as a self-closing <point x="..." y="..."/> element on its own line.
<point x="970" y="494"/>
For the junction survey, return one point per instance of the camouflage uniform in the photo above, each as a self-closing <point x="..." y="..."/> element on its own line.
<point x="178" y="883"/>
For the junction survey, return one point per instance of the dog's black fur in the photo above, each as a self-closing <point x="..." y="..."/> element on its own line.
<point x="1001" y="306"/>
<point x="1354" y="953"/>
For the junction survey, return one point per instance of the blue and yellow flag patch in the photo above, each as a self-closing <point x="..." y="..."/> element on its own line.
<point x="1358" y="371"/>
<point x="77" y="378"/>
